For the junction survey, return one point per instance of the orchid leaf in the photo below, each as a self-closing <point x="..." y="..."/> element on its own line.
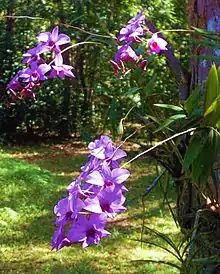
<point x="170" y="107"/>
<point x="196" y="144"/>
<point x="131" y="91"/>
<point x="150" y="85"/>
<point x="203" y="164"/>
<point x="206" y="33"/>
<point x="212" y="88"/>
<point x="192" y="102"/>
<point x="170" y="120"/>
<point x="158" y="262"/>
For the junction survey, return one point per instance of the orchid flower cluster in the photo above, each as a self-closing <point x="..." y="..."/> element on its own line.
<point x="38" y="70"/>
<point x="131" y="36"/>
<point x="96" y="194"/>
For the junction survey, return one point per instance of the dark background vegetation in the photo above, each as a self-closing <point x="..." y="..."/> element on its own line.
<point x="95" y="101"/>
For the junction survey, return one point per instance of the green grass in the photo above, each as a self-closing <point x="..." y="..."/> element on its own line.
<point x="32" y="186"/>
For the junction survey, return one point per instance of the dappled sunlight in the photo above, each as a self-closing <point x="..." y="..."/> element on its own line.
<point x="27" y="219"/>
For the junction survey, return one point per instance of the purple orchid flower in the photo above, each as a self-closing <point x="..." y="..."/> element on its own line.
<point x="111" y="201"/>
<point x="35" y="73"/>
<point x="88" y="229"/>
<point x="60" y="70"/>
<point x="143" y="65"/>
<point x="14" y="84"/>
<point x="92" y="205"/>
<point x="118" y="67"/>
<point x="132" y="32"/>
<point x="138" y="19"/>
<point x="97" y="148"/>
<point x="33" y="55"/>
<point x="59" y="240"/>
<point x="125" y="54"/>
<point x="107" y="177"/>
<point x="156" y="44"/>
<point x="67" y="209"/>
<point x="27" y="91"/>
<point x="103" y="149"/>
<point x="53" y="40"/>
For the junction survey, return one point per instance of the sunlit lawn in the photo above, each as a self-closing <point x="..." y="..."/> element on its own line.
<point x="33" y="179"/>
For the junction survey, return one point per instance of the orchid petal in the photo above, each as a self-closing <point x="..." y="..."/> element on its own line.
<point x="120" y="175"/>
<point x="54" y="34"/>
<point x="62" y="39"/>
<point x="95" y="178"/>
<point x="44" y="36"/>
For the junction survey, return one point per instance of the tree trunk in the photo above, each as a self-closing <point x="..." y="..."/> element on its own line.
<point x="9" y="36"/>
<point x="64" y="123"/>
<point x="192" y="209"/>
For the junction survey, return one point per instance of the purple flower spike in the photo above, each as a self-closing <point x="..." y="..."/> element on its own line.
<point x="97" y="193"/>
<point x="88" y="229"/>
<point x="53" y="40"/>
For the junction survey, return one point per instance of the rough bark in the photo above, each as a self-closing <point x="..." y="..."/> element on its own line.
<point x="204" y="14"/>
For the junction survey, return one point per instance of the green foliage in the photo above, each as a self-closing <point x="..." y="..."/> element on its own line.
<point x="78" y="107"/>
<point x="169" y="121"/>
<point x="196" y="144"/>
<point x="177" y="249"/>
<point x="201" y="113"/>
<point x="192" y="103"/>
<point x="212" y="98"/>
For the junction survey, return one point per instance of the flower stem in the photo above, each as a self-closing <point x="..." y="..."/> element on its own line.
<point x="159" y="144"/>
<point x="73" y="46"/>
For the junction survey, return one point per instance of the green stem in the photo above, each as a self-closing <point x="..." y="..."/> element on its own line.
<point x="159" y="144"/>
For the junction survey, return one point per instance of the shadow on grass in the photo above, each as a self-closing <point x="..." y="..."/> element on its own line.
<point x="53" y="266"/>
<point x="29" y="194"/>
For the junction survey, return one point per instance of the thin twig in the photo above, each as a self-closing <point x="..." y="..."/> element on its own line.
<point x="174" y="30"/>
<point x="133" y="133"/>
<point x="72" y="46"/>
<point x="90" y="33"/>
<point x="23" y="17"/>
